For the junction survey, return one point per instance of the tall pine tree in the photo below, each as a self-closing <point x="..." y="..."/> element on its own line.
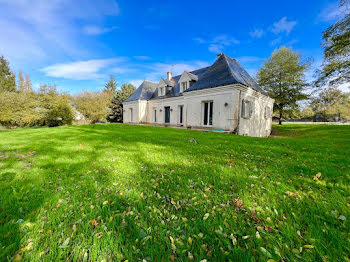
<point x="116" y="106"/>
<point x="111" y="85"/>
<point x="7" y="77"/>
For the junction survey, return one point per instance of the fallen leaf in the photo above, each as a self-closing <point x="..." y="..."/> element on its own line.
<point x="65" y="243"/>
<point x="206" y="216"/>
<point x="190" y="256"/>
<point x="94" y="223"/>
<point x="317" y="176"/>
<point x="189" y="240"/>
<point x="309" y="246"/>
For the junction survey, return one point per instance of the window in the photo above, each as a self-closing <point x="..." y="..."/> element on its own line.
<point x="183" y="86"/>
<point x="181" y="112"/>
<point x="208" y="113"/>
<point x="155" y="116"/>
<point x="162" y="91"/>
<point x="131" y="115"/>
<point x="247" y="109"/>
<point x="267" y="113"/>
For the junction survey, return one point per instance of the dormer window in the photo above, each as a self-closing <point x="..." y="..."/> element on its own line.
<point x="184" y="86"/>
<point x="162" y="91"/>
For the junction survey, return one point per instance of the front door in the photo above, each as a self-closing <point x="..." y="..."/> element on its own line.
<point x="167" y="114"/>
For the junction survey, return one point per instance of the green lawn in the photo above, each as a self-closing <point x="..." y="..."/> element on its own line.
<point x="120" y="192"/>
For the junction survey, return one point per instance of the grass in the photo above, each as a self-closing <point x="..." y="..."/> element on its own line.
<point x="120" y="192"/>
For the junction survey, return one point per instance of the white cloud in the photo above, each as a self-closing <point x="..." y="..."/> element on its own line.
<point x="80" y="70"/>
<point x="333" y="12"/>
<point x="248" y="59"/>
<point x="142" y="57"/>
<point x="199" y="40"/>
<point x="276" y="41"/>
<point x="96" y="30"/>
<point x="283" y="26"/>
<point x="158" y="70"/>
<point x="122" y="70"/>
<point x="225" y="40"/>
<point x="42" y="29"/>
<point x="257" y="33"/>
<point x="218" y="43"/>
<point x="136" y="82"/>
<point x="214" y="48"/>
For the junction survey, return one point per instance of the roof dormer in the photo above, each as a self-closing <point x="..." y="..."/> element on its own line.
<point x="186" y="79"/>
<point x="164" y="85"/>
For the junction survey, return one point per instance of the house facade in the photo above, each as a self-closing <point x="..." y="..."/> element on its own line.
<point x="221" y="96"/>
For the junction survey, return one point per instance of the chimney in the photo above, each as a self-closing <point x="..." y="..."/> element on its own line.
<point x="218" y="55"/>
<point x="169" y="75"/>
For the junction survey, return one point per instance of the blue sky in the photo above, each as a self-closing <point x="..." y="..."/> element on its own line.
<point x="78" y="44"/>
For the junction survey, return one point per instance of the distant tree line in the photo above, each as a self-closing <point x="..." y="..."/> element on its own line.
<point x="21" y="105"/>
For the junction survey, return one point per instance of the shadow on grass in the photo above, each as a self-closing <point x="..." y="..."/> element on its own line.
<point x="141" y="172"/>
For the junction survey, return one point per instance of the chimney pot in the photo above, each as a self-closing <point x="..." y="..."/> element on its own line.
<point x="169" y="75"/>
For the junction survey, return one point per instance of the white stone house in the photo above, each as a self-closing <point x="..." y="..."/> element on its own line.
<point x="221" y="96"/>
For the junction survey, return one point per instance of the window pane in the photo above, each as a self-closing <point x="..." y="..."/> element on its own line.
<point x="211" y="114"/>
<point x="205" y="113"/>
<point x="181" y="112"/>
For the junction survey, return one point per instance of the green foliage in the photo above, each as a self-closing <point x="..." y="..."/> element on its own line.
<point x="93" y="105"/>
<point x="24" y="84"/>
<point x="47" y="107"/>
<point x="283" y="77"/>
<point x="116" y="106"/>
<point x="7" y="77"/>
<point x="19" y="109"/>
<point x="336" y="43"/>
<point x="120" y="192"/>
<point x="111" y="85"/>
<point x="332" y="101"/>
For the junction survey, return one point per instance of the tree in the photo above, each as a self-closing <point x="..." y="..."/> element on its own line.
<point x="20" y="85"/>
<point x="282" y="76"/>
<point x="332" y="101"/>
<point x="54" y="107"/>
<point x="336" y="44"/>
<point x="111" y="85"/>
<point x="93" y="105"/>
<point x="24" y="84"/>
<point x="116" y="106"/>
<point x="7" y="77"/>
<point x="46" y="107"/>
<point x="27" y="84"/>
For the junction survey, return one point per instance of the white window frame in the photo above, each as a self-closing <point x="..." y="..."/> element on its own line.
<point x="162" y="91"/>
<point x="247" y="109"/>
<point x="267" y="113"/>
<point x="183" y="86"/>
<point x="210" y="105"/>
<point x="131" y="114"/>
<point x="179" y="115"/>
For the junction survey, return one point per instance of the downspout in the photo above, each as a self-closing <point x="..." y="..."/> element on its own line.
<point x="239" y="111"/>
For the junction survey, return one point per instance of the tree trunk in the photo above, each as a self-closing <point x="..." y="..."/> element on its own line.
<point x="280" y="119"/>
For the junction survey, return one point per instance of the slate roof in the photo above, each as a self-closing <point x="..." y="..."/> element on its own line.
<point x="144" y="92"/>
<point x="224" y="71"/>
